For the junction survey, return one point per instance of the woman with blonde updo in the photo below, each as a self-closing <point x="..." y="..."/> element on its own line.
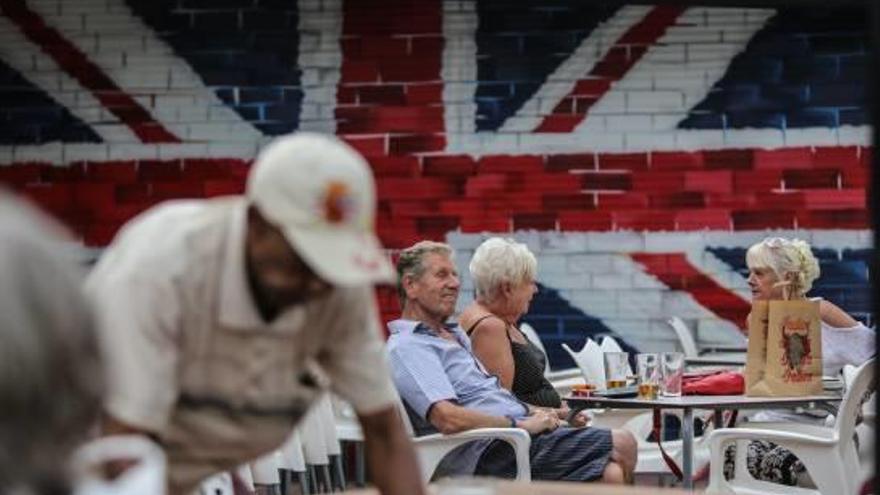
<point x="786" y="269"/>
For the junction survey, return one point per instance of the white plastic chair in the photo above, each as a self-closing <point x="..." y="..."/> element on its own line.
<point x="266" y="471"/>
<point x="828" y="453"/>
<point x="348" y="429"/>
<point x="324" y="408"/>
<point x="315" y="450"/>
<point x="218" y="484"/>
<point x="431" y="449"/>
<point x="685" y="337"/>
<point x="293" y="461"/>
<point x="553" y="376"/>
<point x="245" y="476"/>
<point x="146" y="477"/>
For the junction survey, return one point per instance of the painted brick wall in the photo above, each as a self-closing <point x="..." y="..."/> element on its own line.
<point x="637" y="149"/>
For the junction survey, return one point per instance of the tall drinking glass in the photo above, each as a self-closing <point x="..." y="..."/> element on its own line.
<point x="616" y="368"/>
<point x="672" y="364"/>
<point x="648" y="371"/>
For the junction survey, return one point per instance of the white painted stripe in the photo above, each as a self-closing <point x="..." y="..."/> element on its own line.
<point x="17" y="51"/>
<point x="677" y="72"/>
<point x="146" y="68"/>
<point x="562" y="81"/>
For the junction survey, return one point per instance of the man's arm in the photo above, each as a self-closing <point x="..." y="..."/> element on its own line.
<point x="390" y="455"/>
<point x="451" y="418"/>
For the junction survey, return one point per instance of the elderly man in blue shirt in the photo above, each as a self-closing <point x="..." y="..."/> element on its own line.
<point x="445" y="388"/>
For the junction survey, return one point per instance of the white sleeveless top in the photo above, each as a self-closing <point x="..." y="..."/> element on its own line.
<point x="842" y="346"/>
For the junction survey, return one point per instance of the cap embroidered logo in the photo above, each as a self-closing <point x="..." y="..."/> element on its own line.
<point x="338" y="202"/>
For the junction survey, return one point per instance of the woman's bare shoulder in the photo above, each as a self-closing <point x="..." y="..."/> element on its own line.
<point x="489" y="327"/>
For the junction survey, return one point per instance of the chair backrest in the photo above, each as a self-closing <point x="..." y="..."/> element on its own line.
<point x="265" y="469"/>
<point x="534" y="338"/>
<point x="312" y="435"/>
<point x="292" y="454"/>
<point x="857" y="392"/>
<point x="589" y="360"/>
<point x="404" y="417"/>
<point x="685" y="337"/>
<point x="328" y="425"/>
<point x="243" y="471"/>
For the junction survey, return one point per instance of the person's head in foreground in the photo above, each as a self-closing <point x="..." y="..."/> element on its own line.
<point x="311" y="208"/>
<point x="428" y="282"/>
<point x="50" y="368"/>
<point x="780" y="268"/>
<point x="504" y="273"/>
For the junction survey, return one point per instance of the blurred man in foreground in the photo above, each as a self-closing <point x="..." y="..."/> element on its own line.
<point x="223" y="320"/>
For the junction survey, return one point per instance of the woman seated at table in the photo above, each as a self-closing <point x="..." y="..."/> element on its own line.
<point x="785" y="269"/>
<point x="504" y="272"/>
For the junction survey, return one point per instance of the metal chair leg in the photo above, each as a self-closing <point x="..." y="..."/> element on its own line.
<point x="328" y="480"/>
<point x="338" y="472"/>
<point x="360" y="472"/>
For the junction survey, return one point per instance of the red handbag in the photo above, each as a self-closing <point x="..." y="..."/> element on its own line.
<point x="715" y="383"/>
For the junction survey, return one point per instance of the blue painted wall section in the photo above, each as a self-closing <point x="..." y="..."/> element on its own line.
<point x="806" y="68"/>
<point x="30" y="116"/>
<point x="519" y="44"/>
<point x="558" y="322"/>
<point x="245" y="50"/>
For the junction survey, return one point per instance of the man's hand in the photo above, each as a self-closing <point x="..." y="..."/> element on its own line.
<point x="580" y="420"/>
<point x="539" y="421"/>
<point x="390" y="454"/>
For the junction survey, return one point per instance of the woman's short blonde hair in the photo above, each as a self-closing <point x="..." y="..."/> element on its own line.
<point x="499" y="260"/>
<point x="789" y="259"/>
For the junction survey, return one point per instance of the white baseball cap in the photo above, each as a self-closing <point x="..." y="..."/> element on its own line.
<point x="320" y="192"/>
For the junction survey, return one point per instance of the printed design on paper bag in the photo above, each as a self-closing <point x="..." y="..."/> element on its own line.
<point x="338" y="202"/>
<point x="797" y="349"/>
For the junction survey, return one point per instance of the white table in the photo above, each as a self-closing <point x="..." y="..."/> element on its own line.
<point x="687" y="404"/>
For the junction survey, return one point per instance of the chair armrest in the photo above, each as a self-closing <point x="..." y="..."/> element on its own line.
<point x="563" y="374"/>
<point x="432" y="448"/>
<point x="718" y="437"/>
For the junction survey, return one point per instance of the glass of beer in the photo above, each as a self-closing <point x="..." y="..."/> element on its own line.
<point x="648" y="371"/>
<point x="672" y="364"/>
<point x="616" y="369"/>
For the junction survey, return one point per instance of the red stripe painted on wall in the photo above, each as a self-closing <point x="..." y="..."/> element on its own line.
<point x="674" y="270"/>
<point x="619" y="59"/>
<point x="77" y="65"/>
<point x="390" y="76"/>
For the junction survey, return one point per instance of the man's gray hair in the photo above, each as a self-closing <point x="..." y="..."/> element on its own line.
<point x="51" y="381"/>
<point x="499" y="260"/>
<point x="411" y="262"/>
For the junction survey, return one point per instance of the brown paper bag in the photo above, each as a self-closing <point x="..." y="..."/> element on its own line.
<point x="785" y="349"/>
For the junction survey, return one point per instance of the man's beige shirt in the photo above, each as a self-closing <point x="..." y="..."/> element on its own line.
<point x="189" y="358"/>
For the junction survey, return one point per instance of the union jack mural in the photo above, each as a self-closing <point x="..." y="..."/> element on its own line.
<point x="637" y="149"/>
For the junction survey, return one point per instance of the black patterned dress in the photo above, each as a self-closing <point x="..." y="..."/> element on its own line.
<point x="529" y="383"/>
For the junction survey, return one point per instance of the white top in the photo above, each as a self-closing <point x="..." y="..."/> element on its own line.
<point x="190" y="358"/>
<point x="842" y="346"/>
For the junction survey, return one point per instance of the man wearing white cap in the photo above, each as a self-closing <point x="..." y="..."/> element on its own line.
<point x="222" y="320"/>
